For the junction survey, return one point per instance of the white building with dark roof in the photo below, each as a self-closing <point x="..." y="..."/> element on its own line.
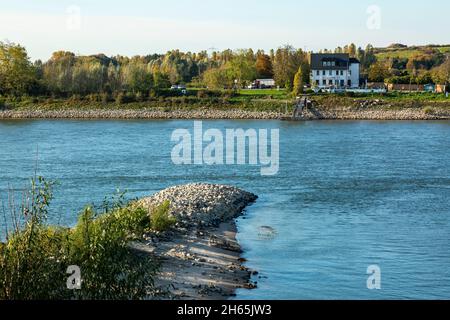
<point x="335" y="70"/>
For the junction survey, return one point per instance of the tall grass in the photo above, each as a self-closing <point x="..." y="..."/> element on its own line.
<point x="34" y="258"/>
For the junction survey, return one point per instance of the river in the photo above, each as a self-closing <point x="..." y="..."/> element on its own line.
<point x="348" y="195"/>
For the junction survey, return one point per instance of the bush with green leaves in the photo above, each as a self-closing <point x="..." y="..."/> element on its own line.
<point x="35" y="256"/>
<point x="428" y="110"/>
<point x="161" y="220"/>
<point x="111" y="268"/>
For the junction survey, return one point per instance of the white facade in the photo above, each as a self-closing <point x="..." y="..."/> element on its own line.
<point x="354" y="75"/>
<point x="330" y="78"/>
<point x="334" y="71"/>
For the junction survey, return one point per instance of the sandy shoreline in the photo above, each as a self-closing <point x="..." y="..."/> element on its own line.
<point x="200" y="258"/>
<point x="316" y="113"/>
<point x="196" y="268"/>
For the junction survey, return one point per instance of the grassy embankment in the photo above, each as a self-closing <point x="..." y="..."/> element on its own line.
<point x="35" y="256"/>
<point x="264" y="100"/>
<point x="385" y="102"/>
<point x="247" y="100"/>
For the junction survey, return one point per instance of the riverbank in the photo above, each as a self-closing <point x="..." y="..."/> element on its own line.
<point x="200" y="256"/>
<point x="150" y="114"/>
<point x="315" y="113"/>
<point x="325" y="107"/>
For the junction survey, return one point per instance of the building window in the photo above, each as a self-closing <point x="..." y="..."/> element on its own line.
<point x="342" y="72"/>
<point x="323" y="72"/>
<point x="318" y="73"/>
<point x="330" y="82"/>
<point x="330" y="72"/>
<point x="349" y="83"/>
<point x="324" y="82"/>
<point x="333" y="63"/>
<point x="317" y="82"/>
<point x="337" y="72"/>
<point x="342" y="83"/>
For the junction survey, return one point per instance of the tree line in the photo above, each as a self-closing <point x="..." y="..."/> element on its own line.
<point x="66" y="74"/>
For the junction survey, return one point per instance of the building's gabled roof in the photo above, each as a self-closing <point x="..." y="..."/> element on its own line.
<point x="330" y="61"/>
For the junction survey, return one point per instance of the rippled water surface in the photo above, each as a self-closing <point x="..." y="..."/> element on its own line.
<point x="348" y="195"/>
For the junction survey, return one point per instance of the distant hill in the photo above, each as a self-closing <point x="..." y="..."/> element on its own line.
<point x="404" y="52"/>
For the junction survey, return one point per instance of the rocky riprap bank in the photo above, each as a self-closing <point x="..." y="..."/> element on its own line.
<point x="150" y="114"/>
<point x="371" y="113"/>
<point x="200" y="255"/>
<point x="359" y="111"/>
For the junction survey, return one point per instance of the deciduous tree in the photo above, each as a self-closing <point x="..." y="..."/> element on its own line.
<point x="298" y="82"/>
<point x="16" y="71"/>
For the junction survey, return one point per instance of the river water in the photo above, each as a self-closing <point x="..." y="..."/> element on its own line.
<point x="348" y="195"/>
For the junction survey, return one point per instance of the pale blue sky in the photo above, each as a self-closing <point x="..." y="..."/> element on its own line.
<point x="141" y="27"/>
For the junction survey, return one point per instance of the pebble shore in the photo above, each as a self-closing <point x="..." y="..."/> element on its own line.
<point x="201" y="258"/>
<point x="202" y="204"/>
<point x="319" y="113"/>
<point x="373" y="114"/>
<point x="151" y="114"/>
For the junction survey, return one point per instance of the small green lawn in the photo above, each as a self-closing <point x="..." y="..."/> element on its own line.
<point x="393" y="95"/>
<point x="401" y="54"/>
<point x="444" y="49"/>
<point x="263" y="92"/>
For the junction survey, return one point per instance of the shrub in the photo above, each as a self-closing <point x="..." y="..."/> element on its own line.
<point x="76" y="97"/>
<point x="428" y="110"/>
<point x="111" y="269"/>
<point x="120" y="98"/>
<point x="140" y="97"/>
<point x="201" y="94"/>
<point x="160" y="218"/>
<point x="153" y="93"/>
<point x="130" y="97"/>
<point x="29" y="264"/>
<point x="35" y="257"/>
<point x="216" y="93"/>
<point x="94" y="97"/>
<point x="105" y="97"/>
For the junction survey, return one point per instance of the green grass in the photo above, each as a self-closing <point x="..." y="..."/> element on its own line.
<point x="263" y="92"/>
<point x="392" y="95"/>
<point x="423" y="96"/>
<point x="390" y="101"/>
<point x="406" y="53"/>
<point x="402" y="54"/>
<point x="444" y="49"/>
